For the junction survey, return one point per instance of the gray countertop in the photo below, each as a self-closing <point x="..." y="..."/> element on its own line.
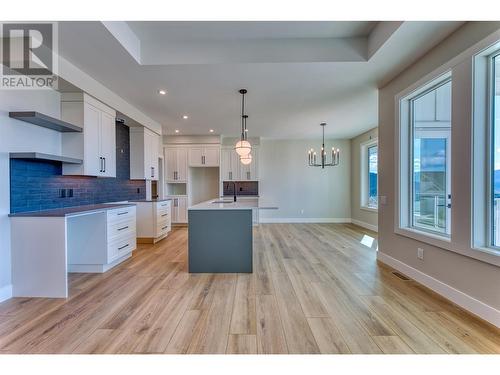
<point x="73" y="211"/>
<point x="240" y="204"/>
<point x="150" y="200"/>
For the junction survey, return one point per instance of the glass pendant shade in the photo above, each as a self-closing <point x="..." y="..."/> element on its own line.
<point x="246" y="160"/>
<point x="243" y="148"/>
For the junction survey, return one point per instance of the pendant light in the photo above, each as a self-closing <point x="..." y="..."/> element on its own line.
<point x="323" y="158"/>
<point x="243" y="147"/>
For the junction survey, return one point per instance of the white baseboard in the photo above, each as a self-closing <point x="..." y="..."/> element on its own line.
<point x="476" y="307"/>
<point x="276" y="220"/>
<point x="365" y="225"/>
<point x="5" y="292"/>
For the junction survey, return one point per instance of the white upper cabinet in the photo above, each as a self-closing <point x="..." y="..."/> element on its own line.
<point x="233" y="170"/>
<point x="250" y="172"/>
<point x="96" y="145"/>
<point x="230" y="165"/>
<point x="144" y="154"/>
<point x="204" y="156"/>
<point x="176" y="164"/>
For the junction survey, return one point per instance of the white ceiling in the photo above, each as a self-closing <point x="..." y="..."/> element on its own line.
<point x="298" y="74"/>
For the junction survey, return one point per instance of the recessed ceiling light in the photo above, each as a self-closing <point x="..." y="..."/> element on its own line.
<point x="211" y="130"/>
<point x="177" y="130"/>
<point x="162" y="92"/>
<point x="185" y="117"/>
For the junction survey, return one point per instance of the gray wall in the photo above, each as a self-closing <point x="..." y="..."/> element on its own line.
<point x="287" y="181"/>
<point x="473" y="277"/>
<point x="357" y="213"/>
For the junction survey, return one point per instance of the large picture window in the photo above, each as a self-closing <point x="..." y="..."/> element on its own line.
<point x="486" y="151"/>
<point x="369" y="175"/>
<point x="372" y="193"/>
<point x="495" y="139"/>
<point x="425" y="143"/>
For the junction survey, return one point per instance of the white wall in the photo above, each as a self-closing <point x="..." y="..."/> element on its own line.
<point x="287" y="181"/>
<point x="16" y="135"/>
<point x="472" y="283"/>
<point x="360" y="216"/>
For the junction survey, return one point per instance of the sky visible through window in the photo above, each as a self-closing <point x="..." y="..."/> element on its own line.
<point x="372" y="176"/>
<point x="496" y="126"/>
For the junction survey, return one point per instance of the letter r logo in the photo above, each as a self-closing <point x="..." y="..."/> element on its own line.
<point x="27" y="49"/>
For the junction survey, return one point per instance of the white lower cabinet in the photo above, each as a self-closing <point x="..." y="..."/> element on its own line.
<point x="107" y="247"/>
<point x="154" y="220"/>
<point x="179" y="210"/>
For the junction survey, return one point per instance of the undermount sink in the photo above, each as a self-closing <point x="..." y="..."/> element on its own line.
<point x="223" y="201"/>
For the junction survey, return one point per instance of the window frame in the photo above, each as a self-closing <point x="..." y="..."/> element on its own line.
<point x="404" y="180"/>
<point x="365" y="184"/>
<point x="482" y="199"/>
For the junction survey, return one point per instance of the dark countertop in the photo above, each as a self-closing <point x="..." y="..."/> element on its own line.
<point x="73" y="211"/>
<point x="150" y="200"/>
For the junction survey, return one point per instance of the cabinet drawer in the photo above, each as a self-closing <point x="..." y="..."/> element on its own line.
<point x="121" y="229"/>
<point x="162" y="207"/>
<point x="163" y="229"/>
<point x="121" y="214"/>
<point x="121" y="247"/>
<point x="162" y="222"/>
<point x="161" y="217"/>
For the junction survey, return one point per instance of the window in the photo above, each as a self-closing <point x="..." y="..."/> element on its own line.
<point x="495" y="139"/>
<point x="372" y="177"/>
<point x="486" y="151"/>
<point x="369" y="175"/>
<point x="425" y="145"/>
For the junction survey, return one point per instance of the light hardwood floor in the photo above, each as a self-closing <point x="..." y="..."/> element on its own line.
<point x="316" y="288"/>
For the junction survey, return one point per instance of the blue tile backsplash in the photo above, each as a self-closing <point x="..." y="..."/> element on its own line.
<point x="36" y="185"/>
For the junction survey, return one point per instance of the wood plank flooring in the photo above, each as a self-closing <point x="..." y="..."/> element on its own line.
<point x="316" y="288"/>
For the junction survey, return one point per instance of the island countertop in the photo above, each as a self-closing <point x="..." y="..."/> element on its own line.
<point x="73" y="211"/>
<point x="229" y="204"/>
<point x="156" y="200"/>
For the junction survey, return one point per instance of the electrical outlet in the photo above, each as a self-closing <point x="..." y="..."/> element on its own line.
<point x="420" y="253"/>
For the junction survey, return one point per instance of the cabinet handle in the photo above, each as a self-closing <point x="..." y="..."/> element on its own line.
<point x="123" y="228"/>
<point x="164" y="215"/>
<point x="152" y="171"/>
<point x="164" y="227"/>
<point x="104" y="159"/>
<point x="122" y="213"/>
<point x="123" y="247"/>
<point x="230" y="175"/>
<point x="100" y="164"/>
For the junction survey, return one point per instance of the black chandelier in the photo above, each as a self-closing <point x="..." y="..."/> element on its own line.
<point x="323" y="162"/>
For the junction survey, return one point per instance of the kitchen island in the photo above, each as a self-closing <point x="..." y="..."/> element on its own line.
<point x="221" y="235"/>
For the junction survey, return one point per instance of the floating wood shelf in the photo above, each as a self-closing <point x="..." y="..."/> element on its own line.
<point x="41" y="156"/>
<point x="45" y="121"/>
